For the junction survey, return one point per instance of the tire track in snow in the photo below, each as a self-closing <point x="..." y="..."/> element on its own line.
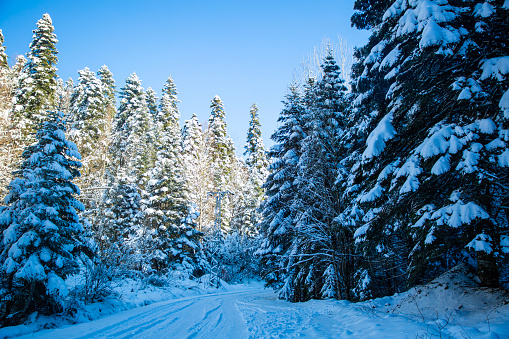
<point x="196" y="329"/>
<point x="134" y="321"/>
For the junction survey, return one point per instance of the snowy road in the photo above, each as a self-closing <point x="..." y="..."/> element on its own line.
<point x="253" y="313"/>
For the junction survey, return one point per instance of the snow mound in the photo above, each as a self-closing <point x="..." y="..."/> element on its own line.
<point x="452" y="305"/>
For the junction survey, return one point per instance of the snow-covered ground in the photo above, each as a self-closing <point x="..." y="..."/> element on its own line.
<point x="450" y="306"/>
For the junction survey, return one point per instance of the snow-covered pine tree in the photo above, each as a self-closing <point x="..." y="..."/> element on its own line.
<point x="38" y="84"/>
<point x="3" y="55"/>
<point x="11" y="145"/>
<point x="151" y="98"/>
<point x="221" y="160"/>
<point x="247" y="216"/>
<point x="90" y="127"/>
<point x="5" y="107"/>
<point x="130" y="157"/>
<point x="119" y="230"/>
<point x="172" y="238"/>
<point x="42" y="238"/>
<point x="256" y="156"/>
<point x="63" y="96"/>
<point x="433" y="161"/>
<point x="109" y="90"/>
<point x="319" y="196"/>
<point x="278" y="224"/>
<point x="194" y="157"/>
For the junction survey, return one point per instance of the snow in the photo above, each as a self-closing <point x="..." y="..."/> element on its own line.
<point x="458" y="214"/>
<point x="412" y="170"/>
<point x="487" y="126"/>
<point x="504" y="104"/>
<point x="495" y="68"/>
<point x="442" y="165"/>
<point x="375" y="143"/>
<point x="503" y="159"/>
<point x="433" y="35"/>
<point x="436" y="143"/>
<point x="483" y="10"/>
<point x="56" y="285"/>
<point x="32" y="269"/>
<point x="481" y="243"/>
<point x="391" y="58"/>
<point x="373" y="194"/>
<point x="450" y="306"/>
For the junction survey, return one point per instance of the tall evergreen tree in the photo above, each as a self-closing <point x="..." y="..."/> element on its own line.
<point x="42" y="237"/>
<point x="428" y="173"/>
<point x="278" y="220"/>
<point x="257" y="166"/>
<point x="129" y="154"/>
<point x="151" y="98"/>
<point x="3" y="55"/>
<point x="194" y="157"/>
<point x="11" y="142"/>
<point x="91" y="122"/>
<point x="173" y="239"/>
<point x="108" y="84"/>
<point x="221" y="159"/>
<point x="38" y="84"/>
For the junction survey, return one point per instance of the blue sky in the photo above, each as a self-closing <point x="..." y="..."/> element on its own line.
<point x="243" y="51"/>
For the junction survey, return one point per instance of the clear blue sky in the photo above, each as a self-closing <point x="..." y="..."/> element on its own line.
<point x="243" y="51"/>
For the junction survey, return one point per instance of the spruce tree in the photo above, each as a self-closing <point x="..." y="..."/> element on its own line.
<point x="130" y="157"/>
<point x="257" y="166"/>
<point x="108" y="85"/>
<point x="36" y="91"/>
<point x="11" y="142"/>
<point x="5" y="106"/>
<point x="91" y="123"/>
<point x="428" y="174"/>
<point x="278" y="220"/>
<point x="3" y="55"/>
<point x="319" y="200"/>
<point x="220" y="159"/>
<point x="173" y="239"/>
<point x="42" y="237"/>
<point x="194" y="157"/>
<point x="151" y="98"/>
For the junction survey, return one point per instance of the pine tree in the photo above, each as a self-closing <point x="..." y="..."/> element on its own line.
<point x="257" y="165"/>
<point x="91" y="123"/>
<point x="221" y="159"/>
<point x="256" y="157"/>
<point x="108" y="84"/>
<point x="194" y="157"/>
<point x="5" y="107"/>
<point x="131" y="156"/>
<point x="151" y="98"/>
<point x="11" y="144"/>
<point x="278" y="220"/>
<point x="42" y="237"/>
<point x="428" y="174"/>
<point x="173" y="240"/>
<point x="3" y="55"/>
<point x="63" y="96"/>
<point x="37" y="87"/>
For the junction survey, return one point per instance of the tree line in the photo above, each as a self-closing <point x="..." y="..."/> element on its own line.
<point x="89" y="185"/>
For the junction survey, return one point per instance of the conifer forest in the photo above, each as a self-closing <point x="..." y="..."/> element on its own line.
<point x="372" y="186"/>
